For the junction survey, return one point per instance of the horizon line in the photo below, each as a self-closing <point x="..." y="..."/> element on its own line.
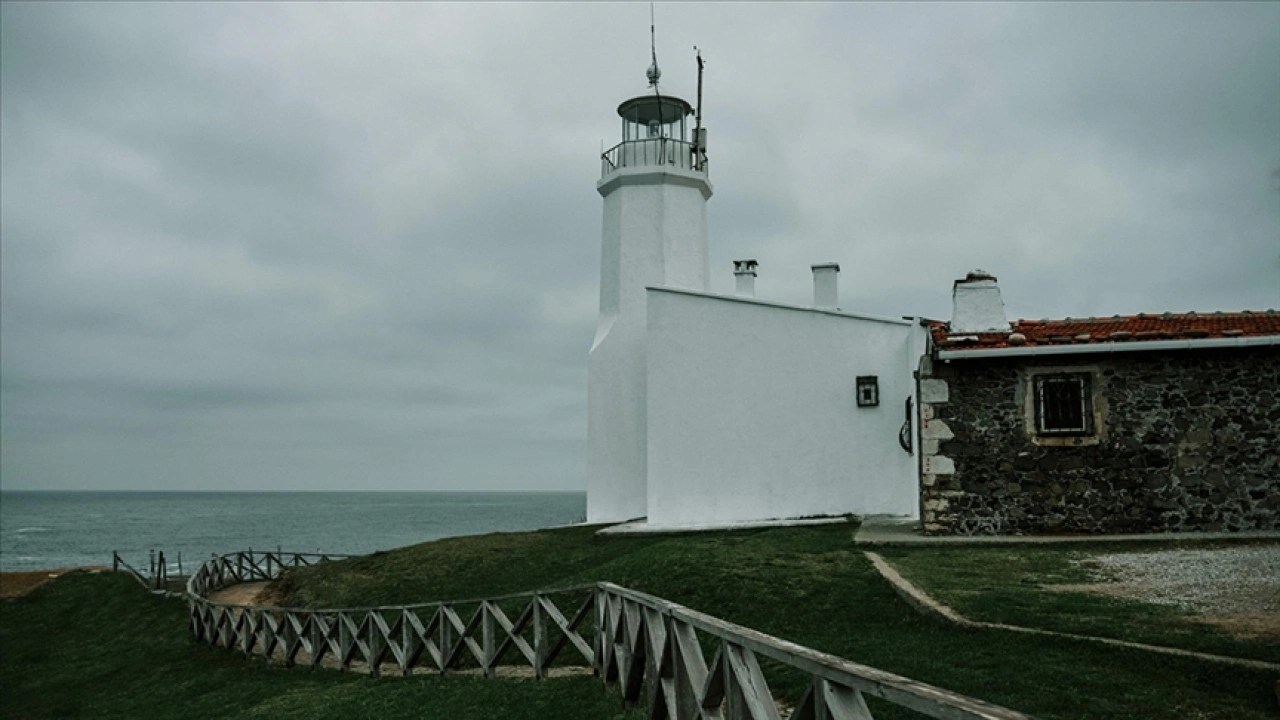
<point x="275" y="492"/>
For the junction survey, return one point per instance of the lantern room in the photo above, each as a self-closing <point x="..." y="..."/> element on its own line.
<point x="657" y="130"/>
<point x="649" y="117"/>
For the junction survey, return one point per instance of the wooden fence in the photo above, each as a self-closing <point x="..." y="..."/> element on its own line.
<point x="653" y="649"/>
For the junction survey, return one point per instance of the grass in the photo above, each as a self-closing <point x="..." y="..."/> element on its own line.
<point x="1008" y="585"/>
<point x="811" y="586"/>
<point x="98" y="646"/>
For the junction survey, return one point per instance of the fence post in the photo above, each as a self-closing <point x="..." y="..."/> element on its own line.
<point x="446" y="649"/>
<point x="115" y="561"/>
<point x="598" y="611"/>
<point x="539" y="638"/>
<point x="316" y="639"/>
<point x="486" y="632"/>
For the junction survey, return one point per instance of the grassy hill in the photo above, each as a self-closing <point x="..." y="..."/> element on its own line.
<point x="809" y="585"/>
<point x="98" y="646"/>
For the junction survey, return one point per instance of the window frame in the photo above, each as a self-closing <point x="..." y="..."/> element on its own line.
<point x="1083" y="381"/>
<point x="870" y="384"/>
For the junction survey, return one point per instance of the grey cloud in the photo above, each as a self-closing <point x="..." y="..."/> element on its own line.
<point x="339" y="246"/>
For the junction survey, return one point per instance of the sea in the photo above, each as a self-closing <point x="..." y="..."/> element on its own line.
<point x="47" y="530"/>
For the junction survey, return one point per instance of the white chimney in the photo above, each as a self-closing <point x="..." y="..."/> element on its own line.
<point x="744" y="273"/>
<point x="976" y="306"/>
<point x="825" y="292"/>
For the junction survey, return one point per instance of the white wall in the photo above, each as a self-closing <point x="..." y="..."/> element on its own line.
<point x="654" y="233"/>
<point x="752" y="415"/>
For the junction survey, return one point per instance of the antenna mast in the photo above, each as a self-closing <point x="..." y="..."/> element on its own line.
<point x="653" y="45"/>
<point x="698" y="150"/>
<point x="654" y="73"/>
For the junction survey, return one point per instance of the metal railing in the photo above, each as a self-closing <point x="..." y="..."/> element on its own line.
<point x="653" y="649"/>
<point x="652" y="152"/>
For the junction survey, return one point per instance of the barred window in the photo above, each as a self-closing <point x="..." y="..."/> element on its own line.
<point x="1064" y="404"/>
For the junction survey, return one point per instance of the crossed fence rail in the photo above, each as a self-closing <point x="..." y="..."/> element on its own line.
<point x="653" y="649"/>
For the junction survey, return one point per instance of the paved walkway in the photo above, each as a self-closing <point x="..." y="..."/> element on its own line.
<point x="641" y="527"/>
<point x="895" y="530"/>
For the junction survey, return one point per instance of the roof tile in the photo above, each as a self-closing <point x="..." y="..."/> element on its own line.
<point x="1143" y="327"/>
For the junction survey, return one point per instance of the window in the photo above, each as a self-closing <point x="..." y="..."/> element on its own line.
<point x="1064" y="404"/>
<point x="868" y="387"/>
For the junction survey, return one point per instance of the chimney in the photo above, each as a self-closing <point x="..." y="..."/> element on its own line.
<point x="825" y="291"/>
<point x="744" y="272"/>
<point x="976" y="306"/>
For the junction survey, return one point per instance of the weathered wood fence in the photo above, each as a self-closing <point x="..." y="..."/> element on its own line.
<point x="654" y="650"/>
<point x="157" y="577"/>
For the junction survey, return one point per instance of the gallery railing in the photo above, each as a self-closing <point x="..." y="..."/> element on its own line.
<point x="652" y="152"/>
<point x="653" y="649"/>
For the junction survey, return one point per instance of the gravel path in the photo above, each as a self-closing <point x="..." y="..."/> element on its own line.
<point x="1222" y="581"/>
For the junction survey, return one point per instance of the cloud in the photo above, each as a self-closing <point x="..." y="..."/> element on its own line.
<point x="356" y="246"/>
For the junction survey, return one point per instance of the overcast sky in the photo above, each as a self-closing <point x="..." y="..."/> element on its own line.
<point x="324" y="246"/>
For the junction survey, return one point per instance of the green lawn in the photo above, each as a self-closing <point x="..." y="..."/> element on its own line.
<point x="809" y="585"/>
<point x="1007" y="585"/>
<point x="98" y="646"/>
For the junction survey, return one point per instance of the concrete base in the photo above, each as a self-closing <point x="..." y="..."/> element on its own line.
<point x="641" y="527"/>
<point x="890" y="530"/>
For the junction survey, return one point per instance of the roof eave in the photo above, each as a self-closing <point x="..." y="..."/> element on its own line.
<point x="1110" y="347"/>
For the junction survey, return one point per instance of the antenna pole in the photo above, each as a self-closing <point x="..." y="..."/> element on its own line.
<point x="654" y="73"/>
<point x="698" y="150"/>
<point x="653" y="41"/>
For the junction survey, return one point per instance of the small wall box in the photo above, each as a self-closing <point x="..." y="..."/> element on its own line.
<point x="868" y="391"/>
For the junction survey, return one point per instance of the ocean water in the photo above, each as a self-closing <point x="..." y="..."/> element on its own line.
<point x="45" y="530"/>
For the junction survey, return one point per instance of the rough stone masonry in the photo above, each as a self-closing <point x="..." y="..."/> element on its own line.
<point x="1185" y="440"/>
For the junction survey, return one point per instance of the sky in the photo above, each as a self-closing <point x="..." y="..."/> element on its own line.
<point x="321" y="246"/>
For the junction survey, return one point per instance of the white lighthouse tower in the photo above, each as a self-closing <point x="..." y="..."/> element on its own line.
<point x="655" y="192"/>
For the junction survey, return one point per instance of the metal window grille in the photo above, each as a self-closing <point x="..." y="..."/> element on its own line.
<point x="1064" y="404"/>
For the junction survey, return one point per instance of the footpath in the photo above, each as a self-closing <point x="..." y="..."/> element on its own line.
<point x="893" y="531"/>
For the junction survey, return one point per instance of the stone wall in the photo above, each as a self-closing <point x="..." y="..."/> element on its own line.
<point x="1186" y="440"/>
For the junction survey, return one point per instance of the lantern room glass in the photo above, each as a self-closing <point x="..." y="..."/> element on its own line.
<point x="672" y="129"/>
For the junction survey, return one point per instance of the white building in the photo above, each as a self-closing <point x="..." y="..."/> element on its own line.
<point x="714" y="409"/>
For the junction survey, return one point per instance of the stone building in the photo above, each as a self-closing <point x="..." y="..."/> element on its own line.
<point x="1146" y="423"/>
<point x="708" y="409"/>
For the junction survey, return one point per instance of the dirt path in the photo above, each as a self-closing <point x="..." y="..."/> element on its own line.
<point x="17" y="584"/>
<point x="250" y="593"/>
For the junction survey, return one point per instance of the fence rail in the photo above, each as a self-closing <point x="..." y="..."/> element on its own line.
<point x="157" y="578"/>
<point x="653" y="649"/>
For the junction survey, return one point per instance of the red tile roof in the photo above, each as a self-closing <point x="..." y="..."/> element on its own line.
<point x="1116" y="329"/>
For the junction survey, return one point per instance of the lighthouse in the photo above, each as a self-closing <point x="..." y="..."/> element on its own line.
<point x="655" y="189"/>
